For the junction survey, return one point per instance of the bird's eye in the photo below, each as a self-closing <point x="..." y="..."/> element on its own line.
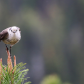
<point x="19" y="29"/>
<point x="10" y="28"/>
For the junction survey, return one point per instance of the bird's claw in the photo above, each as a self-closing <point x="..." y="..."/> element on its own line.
<point x="7" y="48"/>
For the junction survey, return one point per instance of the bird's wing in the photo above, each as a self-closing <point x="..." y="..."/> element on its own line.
<point x="3" y="34"/>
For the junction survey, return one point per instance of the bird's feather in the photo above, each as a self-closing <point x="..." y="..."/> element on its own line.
<point x="3" y="34"/>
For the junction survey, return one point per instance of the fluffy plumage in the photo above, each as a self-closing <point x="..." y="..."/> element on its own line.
<point x="10" y="35"/>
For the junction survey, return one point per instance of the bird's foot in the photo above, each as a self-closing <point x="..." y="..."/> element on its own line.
<point x="6" y="47"/>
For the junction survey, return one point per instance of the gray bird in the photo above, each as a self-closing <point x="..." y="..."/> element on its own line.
<point x="11" y="36"/>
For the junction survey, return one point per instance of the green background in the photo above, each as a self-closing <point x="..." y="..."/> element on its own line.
<point x="52" y="38"/>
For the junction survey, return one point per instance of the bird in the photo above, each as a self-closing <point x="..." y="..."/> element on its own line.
<point x="10" y="36"/>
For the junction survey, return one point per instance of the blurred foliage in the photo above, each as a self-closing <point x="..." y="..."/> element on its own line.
<point x="52" y="79"/>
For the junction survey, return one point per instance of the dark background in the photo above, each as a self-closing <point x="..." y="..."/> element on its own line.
<point x="52" y="37"/>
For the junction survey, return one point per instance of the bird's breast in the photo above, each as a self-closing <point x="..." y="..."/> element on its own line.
<point x="14" y="36"/>
<point x="12" y="39"/>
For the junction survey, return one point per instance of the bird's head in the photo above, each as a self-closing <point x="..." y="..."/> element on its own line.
<point x="14" y="29"/>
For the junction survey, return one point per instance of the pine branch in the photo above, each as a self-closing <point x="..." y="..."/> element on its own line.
<point x="10" y="74"/>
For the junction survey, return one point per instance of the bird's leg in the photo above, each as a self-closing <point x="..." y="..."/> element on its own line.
<point x="6" y="47"/>
<point x="10" y="49"/>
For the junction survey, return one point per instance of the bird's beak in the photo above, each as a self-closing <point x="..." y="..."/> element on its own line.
<point x="14" y="31"/>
